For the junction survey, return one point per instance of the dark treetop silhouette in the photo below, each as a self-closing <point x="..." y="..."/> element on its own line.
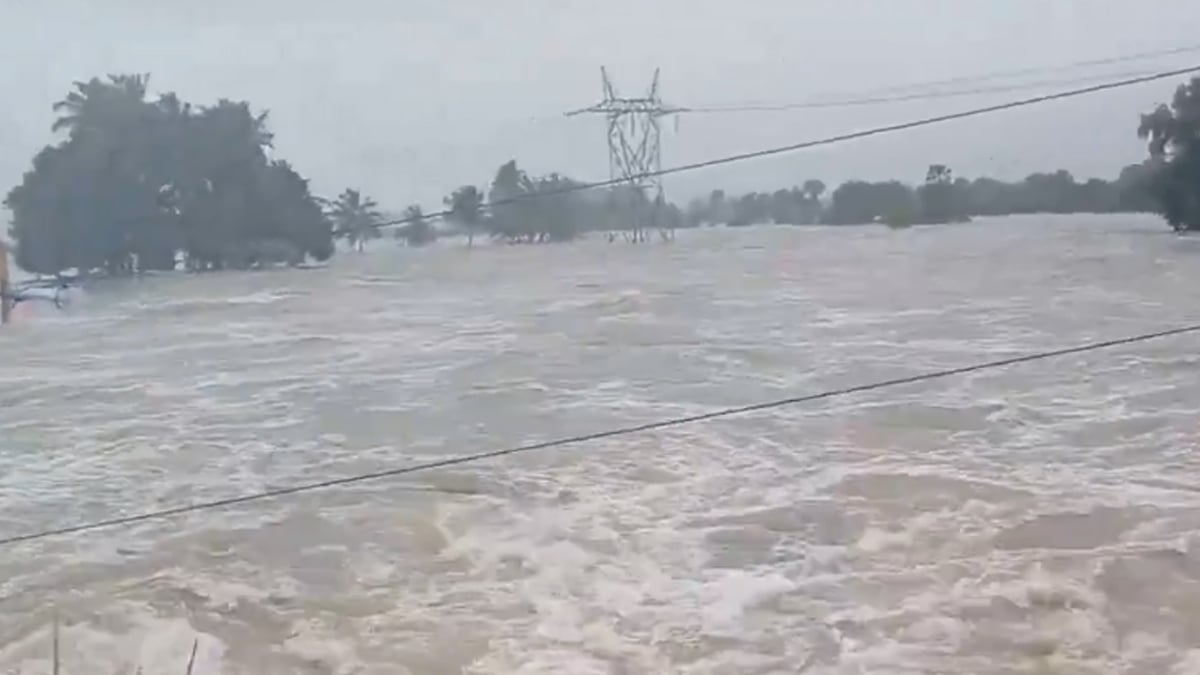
<point x="135" y="183"/>
<point x="1174" y="135"/>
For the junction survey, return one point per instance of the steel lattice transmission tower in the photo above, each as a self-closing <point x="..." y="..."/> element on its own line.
<point x="635" y="152"/>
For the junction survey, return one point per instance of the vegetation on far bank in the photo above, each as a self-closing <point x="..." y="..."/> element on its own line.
<point x="137" y="184"/>
<point x="941" y="198"/>
<point x="142" y="185"/>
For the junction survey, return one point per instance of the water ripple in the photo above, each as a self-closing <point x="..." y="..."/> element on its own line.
<point x="1032" y="518"/>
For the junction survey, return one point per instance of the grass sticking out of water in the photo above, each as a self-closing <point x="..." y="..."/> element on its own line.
<point x="56" y="660"/>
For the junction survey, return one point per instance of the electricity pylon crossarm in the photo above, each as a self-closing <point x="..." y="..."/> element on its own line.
<point x="634" y="135"/>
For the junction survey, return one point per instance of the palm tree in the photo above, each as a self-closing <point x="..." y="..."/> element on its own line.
<point x="173" y="120"/>
<point x="417" y="231"/>
<point x="940" y="174"/>
<point x="95" y="102"/>
<point x="814" y="188"/>
<point x="356" y="218"/>
<point x="1170" y="128"/>
<point x="238" y="124"/>
<point x="73" y="108"/>
<point x="466" y="209"/>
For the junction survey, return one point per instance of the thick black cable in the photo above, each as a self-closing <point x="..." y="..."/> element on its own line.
<point x="804" y="145"/>
<point x="600" y="435"/>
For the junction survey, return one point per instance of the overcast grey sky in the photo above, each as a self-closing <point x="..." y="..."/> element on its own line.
<point x="409" y="98"/>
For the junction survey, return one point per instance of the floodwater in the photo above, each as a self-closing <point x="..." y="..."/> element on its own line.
<point x="1039" y="519"/>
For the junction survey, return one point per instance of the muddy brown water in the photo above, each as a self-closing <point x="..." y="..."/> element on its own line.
<point x="1043" y="518"/>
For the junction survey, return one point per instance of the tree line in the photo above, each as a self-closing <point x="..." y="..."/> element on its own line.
<point x="1167" y="183"/>
<point x="138" y="184"/>
<point x="516" y="208"/>
<point x="940" y="198"/>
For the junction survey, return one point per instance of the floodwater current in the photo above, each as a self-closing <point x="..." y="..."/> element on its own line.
<point x="1044" y="518"/>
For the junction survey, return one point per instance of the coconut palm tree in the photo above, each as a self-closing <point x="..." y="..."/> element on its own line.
<point x="417" y="231"/>
<point x="466" y="210"/>
<point x="813" y="189"/>
<point x="96" y="103"/>
<point x="356" y="218"/>
<point x="939" y="174"/>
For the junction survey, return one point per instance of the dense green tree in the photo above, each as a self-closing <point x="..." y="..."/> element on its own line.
<point x="859" y="202"/>
<point x="508" y="188"/>
<point x="136" y="183"/>
<point x="1173" y="132"/>
<point x="289" y="217"/>
<point x="941" y="198"/>
<point x="530" y="210"/>
<point x="814" y="189"/>
<point x="99" y="107"/>
<point x="1134" y="188"/>
<point x="554" y="213"/>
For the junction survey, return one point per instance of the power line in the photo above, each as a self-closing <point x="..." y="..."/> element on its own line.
<point x="877" y="95"/>
<point x="903" y="98"/>
<point x="600" y="435"/>
<point x="830" y="140"/>
<point x="836" y="99"/>
<point x="1037" y="70"/>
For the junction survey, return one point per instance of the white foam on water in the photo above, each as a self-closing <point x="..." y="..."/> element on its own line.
<point x="979" y="525"/>
<point x="123" y="638"/>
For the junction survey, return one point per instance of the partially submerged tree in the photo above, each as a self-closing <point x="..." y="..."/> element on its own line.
<point x="940" y="199"/>
<point x="416" y="231"/>
<point x="135" y="183"/>
<point x="860" y="202"/>
<point x="814" y="189"/>
<point x="356" y="218"/>
<point x="466" y="210"/>
<point x="1173" y="133"/>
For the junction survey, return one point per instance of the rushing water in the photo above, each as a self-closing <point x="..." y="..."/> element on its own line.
<point x="1044" y="518"/>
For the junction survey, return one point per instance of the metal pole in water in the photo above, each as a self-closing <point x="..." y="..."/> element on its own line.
<point x="5" y="287"/>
